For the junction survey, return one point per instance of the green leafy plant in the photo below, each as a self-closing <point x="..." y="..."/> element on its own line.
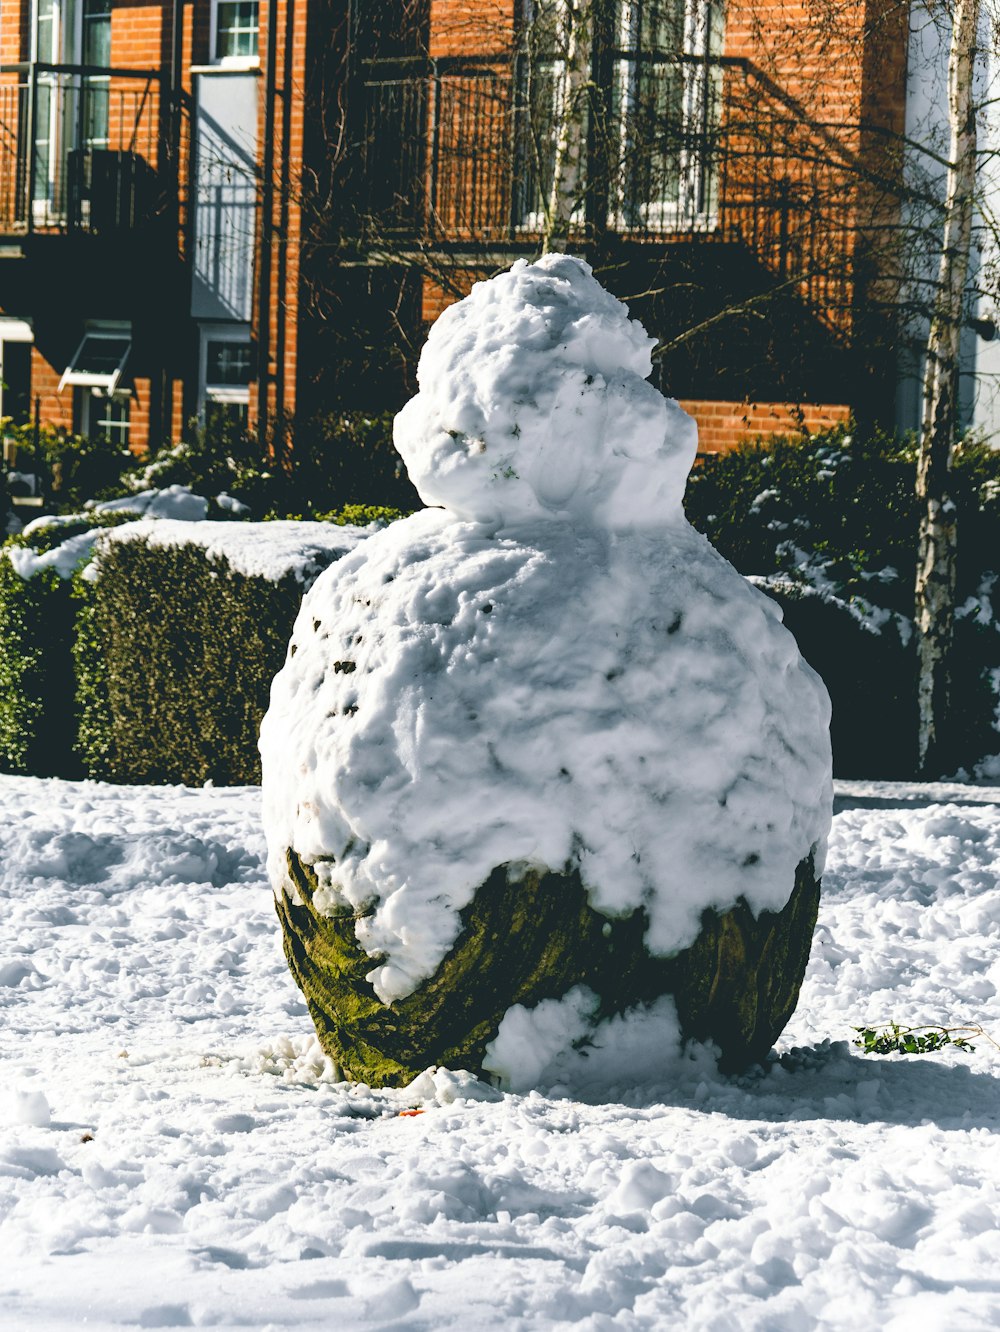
<point x="73" y="467"/>
<point x="899" y="1039"/>
<point x="362" y="515"/>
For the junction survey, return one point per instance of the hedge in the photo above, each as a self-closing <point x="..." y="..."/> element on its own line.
<point x="827" y="525"/>
<point x="175" y="657"/>
<point x="36" y="674"/>
<point x="154" y="664"/>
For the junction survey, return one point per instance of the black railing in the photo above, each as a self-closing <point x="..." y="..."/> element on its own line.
<point x="463" y="151"/>
<point x="80" y="147"/>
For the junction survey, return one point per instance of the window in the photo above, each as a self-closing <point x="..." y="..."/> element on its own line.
<point x="96" y="47"/>
<point x="103" y="418"/>
<point x="227" y="363"/>
<point x="226" y="372"/>
<point x="548" y="108"/>
<point x="235" y="25"/>
<point x="666" y="97"/>
<point x="71" y="109"/>
<point x="99" y="360"/>
<point x="664" y="91"/>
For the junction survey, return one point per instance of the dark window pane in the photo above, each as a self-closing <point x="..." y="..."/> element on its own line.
<point x="228" y="363"/>
<point x="109" y="420"/>
<point x="17" y="381"/>
<point x="100" y="356"/>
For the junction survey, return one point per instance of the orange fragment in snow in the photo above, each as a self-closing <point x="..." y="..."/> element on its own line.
<point x="405" y="1113"/>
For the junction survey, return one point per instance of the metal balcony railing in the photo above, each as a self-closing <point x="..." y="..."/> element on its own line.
<point x="464" y="151"/>
<point x="80" y="147"/>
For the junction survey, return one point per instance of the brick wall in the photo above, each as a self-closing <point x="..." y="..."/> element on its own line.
<point x="722" y="425"/>
<point x="66" y="280"/>
<point x="56" y="408"/>
<point x="464" y="27"/>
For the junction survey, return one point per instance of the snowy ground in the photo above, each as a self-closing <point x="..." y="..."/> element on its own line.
<point x="173" y="1151"/>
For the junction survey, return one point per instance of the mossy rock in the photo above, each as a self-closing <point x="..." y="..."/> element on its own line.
<point x="736" y="985"/>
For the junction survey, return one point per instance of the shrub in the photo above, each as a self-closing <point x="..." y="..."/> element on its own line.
<point x="74" y="469"/>
<point x="175" y="656"/>
<point x="310" y="468"/>
<point x="828" y="523"/>
<point x="38" y="616"/>
<point x="345" y="458"/>
<point x="36" y="673"/>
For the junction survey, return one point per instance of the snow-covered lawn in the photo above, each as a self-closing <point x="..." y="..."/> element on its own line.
<point x="174" y="1152"/>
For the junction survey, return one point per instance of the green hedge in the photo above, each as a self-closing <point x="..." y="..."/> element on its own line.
<point x="37" y="674"/>
<point x="37" y="724"/>
<point x="175" y="658"/>
<point x="828" y="524"/>
<point x="157" y="670"/>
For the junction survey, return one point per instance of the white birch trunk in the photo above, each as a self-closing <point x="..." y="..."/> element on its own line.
<point x="571" y="138"/>
<point x="935" y="583"/>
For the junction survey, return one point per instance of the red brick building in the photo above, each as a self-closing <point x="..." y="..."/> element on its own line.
<point x="252" y="210"/>
<point x="738" y="165"/>
<point x="128" y="207"/>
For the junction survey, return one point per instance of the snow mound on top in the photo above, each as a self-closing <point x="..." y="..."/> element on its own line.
<point x="554" y="671"/>
<point x="533" y="399"/>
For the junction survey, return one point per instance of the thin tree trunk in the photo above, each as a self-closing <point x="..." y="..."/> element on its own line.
<point x="937" y="542"/>
<point x="571" y="142"/>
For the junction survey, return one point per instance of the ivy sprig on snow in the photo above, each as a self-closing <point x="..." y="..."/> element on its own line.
<point x="895" y="1038"/>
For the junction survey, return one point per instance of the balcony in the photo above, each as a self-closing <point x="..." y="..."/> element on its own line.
<point x="80" y="149"/>
<point x="460" y="155"/>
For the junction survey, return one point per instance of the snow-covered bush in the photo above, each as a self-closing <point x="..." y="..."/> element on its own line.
<point x="182" y="627"/>
<point x="39" y="606"/>
<point x="36" y="674"/>
<point x="151" y="664"/>
<point x="541" y="756"/>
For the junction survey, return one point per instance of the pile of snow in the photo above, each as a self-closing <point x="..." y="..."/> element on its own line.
<point x="555" y="670"/>
<point x="175" y="501"/>
<point x="175" y="1151"/>
<point x="534" y="403"/>
<point x="65" y="558"/>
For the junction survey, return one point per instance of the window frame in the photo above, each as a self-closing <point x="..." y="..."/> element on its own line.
<point x="105" y="403"/>
<point x="109" y="383"/>
<point x="237" y="395"/>
<point x="235" y="62"/>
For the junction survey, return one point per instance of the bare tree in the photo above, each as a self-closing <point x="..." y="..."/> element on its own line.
<point x="938" y="538"/>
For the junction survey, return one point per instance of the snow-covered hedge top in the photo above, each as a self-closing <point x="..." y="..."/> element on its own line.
<point x="533" y="400"/>
<point x="175" y="502"/>
<point x="257" y="550"/>
<point x="531" y="677"/>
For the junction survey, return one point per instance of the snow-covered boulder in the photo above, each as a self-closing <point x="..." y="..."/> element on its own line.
<point x="542" y="741"/>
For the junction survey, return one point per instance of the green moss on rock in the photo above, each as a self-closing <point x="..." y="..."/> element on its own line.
<point x="528" y="936"/>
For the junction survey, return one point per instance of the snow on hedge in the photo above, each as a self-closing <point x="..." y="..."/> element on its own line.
<point x="554" y="669"/>
<point x="270" y="550"/>
<point x="256" y="550"/>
